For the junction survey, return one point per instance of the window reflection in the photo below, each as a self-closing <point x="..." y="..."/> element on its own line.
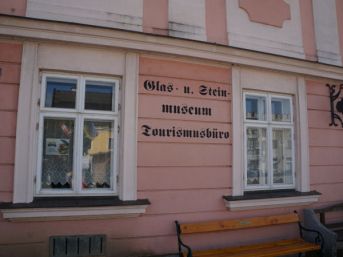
<point x="282" y="156"/>
<point x="255" y="107"/>
<point x="97" y="154"/>
<point x="281" y="109"/>
<point x="99" y="96"/>
<point x="57" y="162"/>
<point x="60" y="93"/>
<point x="257" y="156"/>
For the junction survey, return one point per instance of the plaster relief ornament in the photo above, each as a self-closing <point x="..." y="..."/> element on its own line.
<point x="267" y="12"/>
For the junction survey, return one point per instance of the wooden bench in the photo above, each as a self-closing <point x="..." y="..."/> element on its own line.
<point x="269" y="249"/>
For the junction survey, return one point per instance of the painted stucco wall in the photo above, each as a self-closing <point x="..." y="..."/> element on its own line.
<point x="10" y="60"/>
<point x="188" y="171"/>
<point x="308" y="34"/>
<point x="325" y="144"/>
<point x="155" y="17"/>
<point x="184" y="178"/>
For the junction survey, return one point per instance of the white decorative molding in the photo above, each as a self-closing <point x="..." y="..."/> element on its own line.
<point x="326" y="31"/>
<point x="237" y="134"/>
<point x="285" y="41"/>
<point x="184" y="23"/>
<point x="107" y="13"/>
<point x="72" y="213"/>
<point x="23" y="186"/>
<point x="303" y="181"/>
<point x="38" y="30"/>
<point x="128" y="153"/>
<point x="271" y="203"/>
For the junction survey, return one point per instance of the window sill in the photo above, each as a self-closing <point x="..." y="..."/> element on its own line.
<point x="73" y="208"/>
<point x="270" y="199"/>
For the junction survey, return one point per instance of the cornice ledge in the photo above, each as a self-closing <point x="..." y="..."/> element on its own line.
<point x="36" y="30"/>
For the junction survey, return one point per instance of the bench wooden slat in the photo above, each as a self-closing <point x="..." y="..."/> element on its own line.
<point x="243" y="248"/>
<point x="213" y="226"/>
<point x="332" y="208"/>
<point x="279" y="248"/>
<point x="335" y="226"/>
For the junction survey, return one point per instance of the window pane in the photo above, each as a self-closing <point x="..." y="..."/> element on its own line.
<point x="257" y="156"/>
<point x="281" y="109"/>
<point x="57" y="161"/>
<point x="97" y="154"/>
<point x="60" y="92"/>
<point x="282" y="156"/>
<point x="99" y="96"/>
<point x="255" y="107"/>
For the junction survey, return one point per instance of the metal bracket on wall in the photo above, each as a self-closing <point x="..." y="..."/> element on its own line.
<point x="336" y="107"/>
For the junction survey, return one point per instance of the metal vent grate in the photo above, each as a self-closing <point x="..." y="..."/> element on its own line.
<point x="77" y="246"/>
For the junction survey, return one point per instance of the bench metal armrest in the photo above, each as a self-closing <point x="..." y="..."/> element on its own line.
<point x="319" y="239"/>
<point x="181" y="244"/>
<point x="312" y="222"/>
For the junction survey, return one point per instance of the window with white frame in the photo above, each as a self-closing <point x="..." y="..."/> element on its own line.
<point x="78" y="135"/>
<point x="269" y="143"/>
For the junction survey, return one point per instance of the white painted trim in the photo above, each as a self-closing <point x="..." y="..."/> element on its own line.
<point x="326" y="31"/>
<point x="271" y="203"/>
<point x="28" y="29"/>
<point x="128" y="146"/>
<point x="28" y="116"/>
<point x="68" y="213"/>
<point x="23" y="188"/>
<point x="244" y="33"/>
<point x="237" y="134"/>
<point x="121" y="14"/>
<point x="303" y="181"/>
<point x="185" y="24"/>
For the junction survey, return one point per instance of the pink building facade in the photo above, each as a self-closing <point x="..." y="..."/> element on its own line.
<point x="120" y="117"/>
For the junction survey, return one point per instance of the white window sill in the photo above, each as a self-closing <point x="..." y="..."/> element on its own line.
<point x="274" y="201"/>
<point x="31" y="214"/>
<point x="42" y="211"/>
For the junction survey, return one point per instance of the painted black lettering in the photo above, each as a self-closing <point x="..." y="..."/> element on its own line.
<point x="146" y="130"/>
<point x="170" y="88"/>
<point x="203" y="90"/>
<point x="149" y="85"/>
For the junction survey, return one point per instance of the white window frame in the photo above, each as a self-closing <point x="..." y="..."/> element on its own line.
<point x="78" y="114"/>
<point x="246" y="79"/>
<point x="269" y="125"/>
